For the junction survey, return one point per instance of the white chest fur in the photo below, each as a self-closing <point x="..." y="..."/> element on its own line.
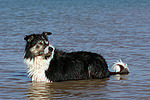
<point x="37" y="67"/>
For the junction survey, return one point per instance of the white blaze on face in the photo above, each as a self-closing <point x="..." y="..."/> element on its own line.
<point x="46" y="50"/>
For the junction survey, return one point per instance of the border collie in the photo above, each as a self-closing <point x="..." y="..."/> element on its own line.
<point x="46" y="63"/>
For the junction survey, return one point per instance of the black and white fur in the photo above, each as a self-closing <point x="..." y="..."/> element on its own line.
<point x="46" y="63"/>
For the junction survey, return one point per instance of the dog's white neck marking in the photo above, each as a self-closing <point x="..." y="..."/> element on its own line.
<point x="36" y="68"/>
<point x="38" y="65"/>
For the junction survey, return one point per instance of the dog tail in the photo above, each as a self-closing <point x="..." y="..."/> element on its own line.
<point x="119" y="67"/>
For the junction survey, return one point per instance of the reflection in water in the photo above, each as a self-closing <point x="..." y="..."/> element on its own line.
<point x="120" y="77"/>
<point x="117" y="30"/>
<point x="38" y="90"/>
<point x="71" y="89"/>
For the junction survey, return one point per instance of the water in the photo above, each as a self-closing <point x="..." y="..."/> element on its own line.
<point x="116" y="29"/>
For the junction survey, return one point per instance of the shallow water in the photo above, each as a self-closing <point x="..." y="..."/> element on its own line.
<point x="116" y="29"/>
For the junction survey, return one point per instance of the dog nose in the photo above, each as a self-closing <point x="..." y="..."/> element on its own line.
<point x="50" y="49"/>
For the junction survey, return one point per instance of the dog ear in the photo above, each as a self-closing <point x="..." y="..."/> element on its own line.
<point x="46" y="33"/>
<point x="29" y="38"/>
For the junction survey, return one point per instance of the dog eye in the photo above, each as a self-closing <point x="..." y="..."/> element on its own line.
<point x="40" y="43"/>
<point x="37" y="47"/>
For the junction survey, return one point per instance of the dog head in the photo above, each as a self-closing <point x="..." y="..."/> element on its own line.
<point x="37" y="45"/>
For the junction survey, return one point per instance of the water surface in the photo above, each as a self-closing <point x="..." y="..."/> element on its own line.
<point x="116" y="29"/>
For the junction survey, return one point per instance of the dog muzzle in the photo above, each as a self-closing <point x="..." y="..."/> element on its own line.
<point x="48" y="51"/>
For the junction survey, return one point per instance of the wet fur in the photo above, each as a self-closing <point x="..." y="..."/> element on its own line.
<point x="45" y="63"/>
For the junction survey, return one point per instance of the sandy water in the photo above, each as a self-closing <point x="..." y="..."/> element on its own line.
<point x="116" y="29"/>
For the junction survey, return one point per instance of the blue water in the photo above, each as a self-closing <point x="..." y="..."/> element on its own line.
<point x="117" y="29"/>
